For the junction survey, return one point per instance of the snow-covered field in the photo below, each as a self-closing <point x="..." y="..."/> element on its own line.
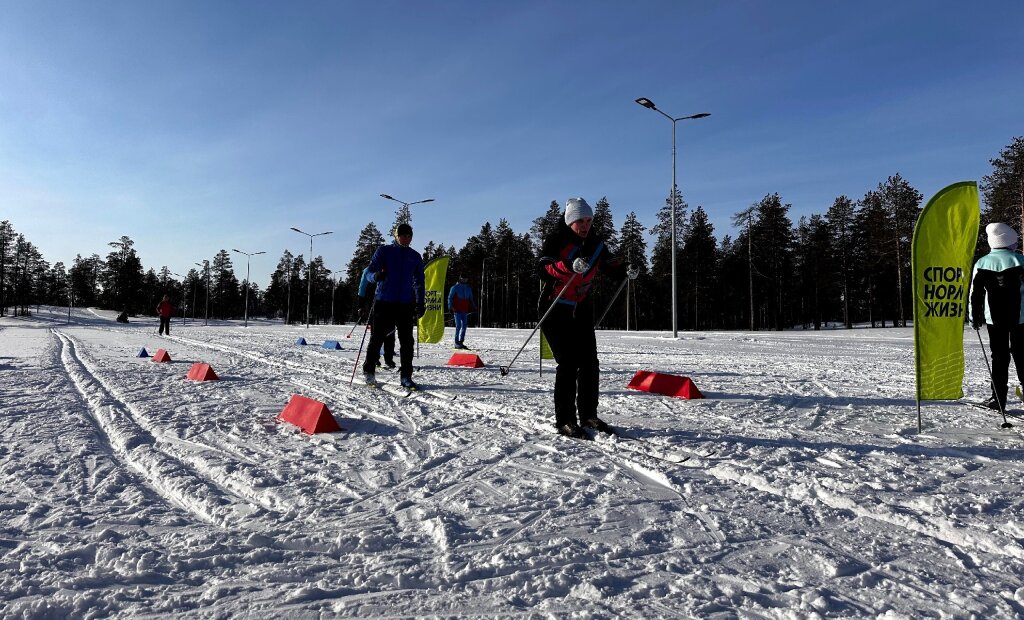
<point x="798" y="488"/>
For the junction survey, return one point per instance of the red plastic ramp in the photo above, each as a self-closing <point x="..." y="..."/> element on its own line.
<point x="201" y="372"/>
<point x="312" y="416"/>
<point x="469" y="360"/>
<point x="161" y="356"/>
<point x="662" y="383"/>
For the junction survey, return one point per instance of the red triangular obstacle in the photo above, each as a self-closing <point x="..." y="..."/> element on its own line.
<point x="661" y="383"/>
<point x="469" y="360"/>
<point x="312" y="416"/>
<point x="161" y="356"/>
<point x="201" y="372"/>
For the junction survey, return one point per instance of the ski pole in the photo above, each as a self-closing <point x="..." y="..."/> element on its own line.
<point x="616" y="296"/>
<point x="504" y="369"/>
<point x="1002" y="407"/>
<point x="359" y="317"/>
<point x="362" y="342"/>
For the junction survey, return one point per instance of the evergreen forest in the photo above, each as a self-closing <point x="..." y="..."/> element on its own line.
<point x="848" y="265"/>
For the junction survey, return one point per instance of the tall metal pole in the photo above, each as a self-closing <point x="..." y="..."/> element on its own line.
<point x="334" y="286"/>
<point x="675" y="315"/>
<point x="206" y="271"/>
<point x="247" y="257"/>
<point x="647" y="103"/>
<point x="483" y="290"/>
<point x="182" y="298"/>
<point x="309" y="270"/>
<point x="288" y="311"/>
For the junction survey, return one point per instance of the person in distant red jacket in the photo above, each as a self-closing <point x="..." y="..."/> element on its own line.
<point x="165" y="309"/>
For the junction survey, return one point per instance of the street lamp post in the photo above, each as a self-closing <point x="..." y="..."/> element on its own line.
<point x="407" y="204"/>
<point x="248" y="256"/>
<point x="334" y="286"/>
<point x="206" y="270"/>
<point x="647" y="103"/>
<point x="288" y="308"/>
<point x="309" y="270"/>
<point x="483" y="289"/>
<point x="183" y="295"/>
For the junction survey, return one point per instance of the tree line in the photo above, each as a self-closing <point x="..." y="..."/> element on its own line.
<point x="848" y="265"/>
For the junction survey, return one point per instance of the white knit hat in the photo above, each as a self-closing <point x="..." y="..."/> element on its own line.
<point x="1000" y="235"/>
<point x="577" y="209"/>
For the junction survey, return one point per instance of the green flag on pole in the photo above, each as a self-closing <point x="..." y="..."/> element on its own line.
<point x="431" y="324"/>
<point x="941" y="256"/>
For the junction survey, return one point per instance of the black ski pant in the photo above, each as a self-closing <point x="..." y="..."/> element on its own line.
<point x="165" y="326"/>
<point x="391" y="318"/>
<point x="569" y="331"/>
<point x="1005" y="342"/>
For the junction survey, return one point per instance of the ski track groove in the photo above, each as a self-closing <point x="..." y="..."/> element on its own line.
<point x="630" y="466"/>
<point x="811" y="494"/>
<point x="232" y="483"/>
<point x="132" y="445"/>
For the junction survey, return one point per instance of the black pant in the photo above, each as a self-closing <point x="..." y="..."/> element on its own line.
<point x="391" y="317"/>
<point x="1005" y="342"/>
<point x="389" y="340"/>
<point x="570" y="333"/>
<point x="165" y="325"/>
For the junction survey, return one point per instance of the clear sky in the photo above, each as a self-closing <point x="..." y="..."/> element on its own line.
<point x="195" y="126"/>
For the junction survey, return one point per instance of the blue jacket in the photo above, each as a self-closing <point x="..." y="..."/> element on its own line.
<point x="460" y="298"/>
<point x="403" y="281"/>
<point x="365" y="283"/>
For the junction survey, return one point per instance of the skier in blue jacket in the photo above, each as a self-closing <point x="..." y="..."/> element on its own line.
<point x="397" y="269"/>
<point x="460" y="302"/>
<point x="366" y="291"/>
<point x="997" y="287"/>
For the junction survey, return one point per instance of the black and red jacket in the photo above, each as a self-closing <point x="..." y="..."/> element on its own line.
<point x="555" y="266"/>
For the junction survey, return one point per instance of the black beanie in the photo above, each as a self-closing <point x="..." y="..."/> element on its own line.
<point x="403" y="229"/>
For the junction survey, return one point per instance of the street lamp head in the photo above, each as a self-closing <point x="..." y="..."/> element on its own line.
<point x="387" y="197"/>
<point x="701" y="115"/>
<point x="239" y="251"/>
<point x="422" y="201"/>
<point x="298" y="231"/>
<point x="255" y="253"/>
<point x="647" y="103"/>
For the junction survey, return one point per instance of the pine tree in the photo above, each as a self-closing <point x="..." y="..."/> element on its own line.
<point x="1003" y="189"/>
<point x="477" y="257"/>
<point x="122" y="277"/>
<point x="632" y="250"/>
<point x="772" y="233"/>
<point x="402" y="216"/>
<point x="814" y="269"/>
<point x="546" y="225"/>
<point x="698" y="259"/>
<point x="874" y="240"/>
<point x="902" y="203"/>
<point x="745" y="246"/>
<point x="224" y="293"/>
<point x="6" y="246"/>
<point x="841" y="217"/>
<point x="604" y="225"/>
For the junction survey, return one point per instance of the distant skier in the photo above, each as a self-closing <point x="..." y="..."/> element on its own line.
<point x="997" y="286"/>
<point x="165" y="310"/>
<point x="460" y="302"/>
<point x="366" y="292"/>
<point x="397" y="270"/>
<point x="572" y="253"/>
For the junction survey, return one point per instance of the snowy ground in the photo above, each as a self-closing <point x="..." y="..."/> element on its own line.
<point x="798" y="488"/>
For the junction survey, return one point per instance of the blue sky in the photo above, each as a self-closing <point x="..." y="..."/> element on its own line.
<point x="198" y="126"/>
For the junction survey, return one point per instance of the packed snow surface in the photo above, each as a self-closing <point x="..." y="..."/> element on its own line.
<point x="798" y="488"/>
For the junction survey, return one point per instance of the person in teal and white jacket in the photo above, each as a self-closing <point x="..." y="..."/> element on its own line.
<point x="997" y="288"/>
